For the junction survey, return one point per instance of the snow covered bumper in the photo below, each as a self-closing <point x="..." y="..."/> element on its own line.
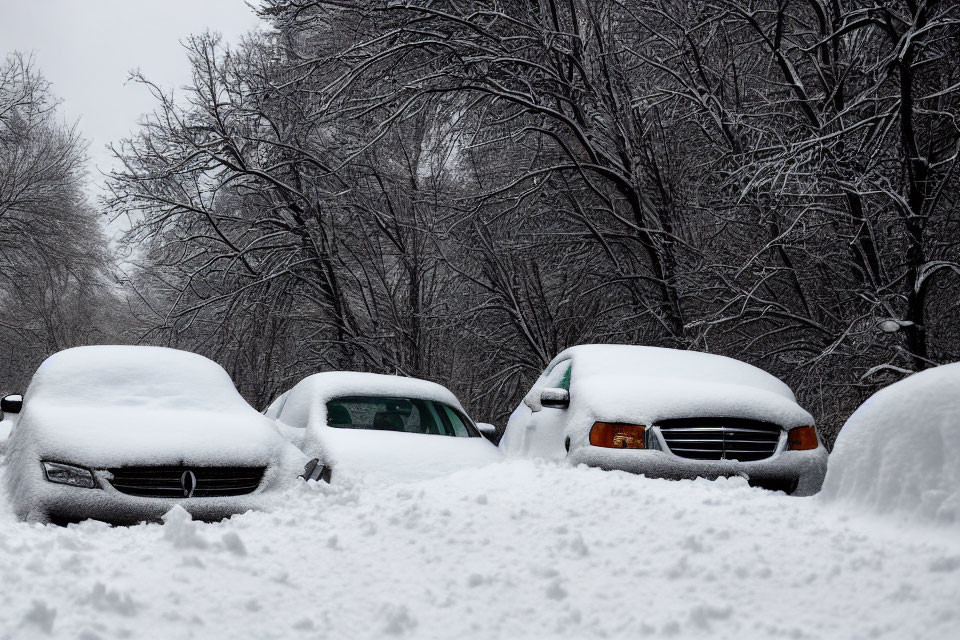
<point x="795" y="472"/>
<point x="60" y="503"/>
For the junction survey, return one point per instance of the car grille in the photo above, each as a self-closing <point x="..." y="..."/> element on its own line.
<point x="167" y="482"/>
<point x="720" y="438"/>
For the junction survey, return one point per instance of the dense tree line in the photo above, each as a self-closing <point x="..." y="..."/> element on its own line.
<point x="457" y="190"/>
<point x="56" y="286"/>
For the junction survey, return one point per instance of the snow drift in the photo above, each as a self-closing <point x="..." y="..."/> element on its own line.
<point x="513" y="550"/>
<point x="899" y="453"/>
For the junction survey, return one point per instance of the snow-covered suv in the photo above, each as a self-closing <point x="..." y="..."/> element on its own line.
<point x="668" y="413"/>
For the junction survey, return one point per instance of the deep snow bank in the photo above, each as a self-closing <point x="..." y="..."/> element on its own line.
<point x="899" y="453"/>
<point x="513" y="550"/>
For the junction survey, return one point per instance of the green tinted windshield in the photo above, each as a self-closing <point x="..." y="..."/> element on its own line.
<point x="408" y="415"/>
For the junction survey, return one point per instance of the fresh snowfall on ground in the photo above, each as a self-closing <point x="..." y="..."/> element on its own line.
<point x="518" y="549"/>
<point x="527" y="548"/>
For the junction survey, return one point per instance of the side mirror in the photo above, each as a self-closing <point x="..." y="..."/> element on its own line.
<point x="315" y="471"/>
<point x="487" y="429"/>
<point x="12" y="403"/>
<point x="555" y="398"/>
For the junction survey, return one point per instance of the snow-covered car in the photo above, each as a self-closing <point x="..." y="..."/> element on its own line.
<point x="124" y="433"/>
<point x="668" y="413"/>
<point x="379" y="427"/>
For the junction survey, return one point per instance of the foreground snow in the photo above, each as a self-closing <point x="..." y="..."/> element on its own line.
<point x="516" y="549"/>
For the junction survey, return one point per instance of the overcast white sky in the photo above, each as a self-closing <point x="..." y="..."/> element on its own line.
<point x="87" y="49"/>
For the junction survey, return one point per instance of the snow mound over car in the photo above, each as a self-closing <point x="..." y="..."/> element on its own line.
<point x="133" y="376"/>
<point x="383" y="455"/>
<point x="125" y="405"/>
<point x="899" y="453"/>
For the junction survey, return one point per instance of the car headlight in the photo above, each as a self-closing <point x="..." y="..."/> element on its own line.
<point x="616" y="435"/>
<point x="67" y="474"/>
<point x="802" y="439"/>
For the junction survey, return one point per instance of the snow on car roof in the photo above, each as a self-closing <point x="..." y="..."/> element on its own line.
<point x="109" y="406"/>
<point x="129" y="376"/>
<point x="633" y="360"/>
<point x="333" y="384"/>
<point x="306" y="401"/>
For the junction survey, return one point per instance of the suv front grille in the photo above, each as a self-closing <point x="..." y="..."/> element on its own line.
<point x="720" y="438"/>
<point x="169" y="482"/>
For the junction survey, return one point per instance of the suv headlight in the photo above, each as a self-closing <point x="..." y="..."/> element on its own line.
<point x="617" y="435"/>
<point x="802" y="439"/>
<point x="67" y="474"/>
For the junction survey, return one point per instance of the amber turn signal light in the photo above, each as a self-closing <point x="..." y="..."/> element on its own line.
<point x="802" y="438"/>
<point x="614" y="435"/>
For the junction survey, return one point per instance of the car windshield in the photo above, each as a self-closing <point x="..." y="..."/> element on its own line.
<point x="408" y="415"/>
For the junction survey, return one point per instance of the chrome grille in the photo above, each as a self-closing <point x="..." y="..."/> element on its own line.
<point x="720" y="438"/>
<point x="165" y="482"/>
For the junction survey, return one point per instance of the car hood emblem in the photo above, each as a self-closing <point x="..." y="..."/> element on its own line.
<point x="188" y="481"/>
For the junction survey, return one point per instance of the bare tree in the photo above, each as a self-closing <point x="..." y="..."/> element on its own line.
<point x="55" y="289"/>
<point x="400" y="187"/>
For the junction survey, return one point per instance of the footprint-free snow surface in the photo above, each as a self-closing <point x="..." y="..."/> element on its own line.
<point x="513" y="550"/>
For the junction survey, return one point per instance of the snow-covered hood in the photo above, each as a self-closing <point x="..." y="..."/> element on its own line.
<point x="648" y="399"/>
<point x="118" y="436"/>
<point x="387" y="456"/>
